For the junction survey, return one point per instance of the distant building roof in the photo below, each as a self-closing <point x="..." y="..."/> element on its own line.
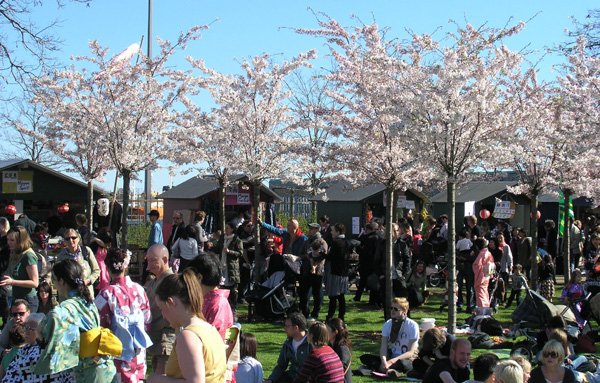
<point x="24" y="164"/>
<point x="343" y="191"/>
<point x="474" y="191"/>
<point x="197" y="187"/>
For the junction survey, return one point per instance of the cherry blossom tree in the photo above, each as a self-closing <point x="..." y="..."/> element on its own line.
<point x="68" y="136"/>
<point x="21" y="114"/>
<point x="310" y="104"/>
<point x="206" y="141"/>
<point x="130" y="107"/>
<point x="458" y="106"/>
<point x="534" y="147"/>
<point x="253" y="116"/>
<point x="578" y="119"/>
<point x="368" y="83"/>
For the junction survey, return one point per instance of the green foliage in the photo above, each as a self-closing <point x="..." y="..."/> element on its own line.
<point x="283" y="218"/>
<point x="137" y="234"/>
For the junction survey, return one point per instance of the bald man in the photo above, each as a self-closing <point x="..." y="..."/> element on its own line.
<point x="161" y="334"/>
<point x="293" y="238"/>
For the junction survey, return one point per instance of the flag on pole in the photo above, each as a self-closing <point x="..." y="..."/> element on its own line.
<point x="561" y="213"/>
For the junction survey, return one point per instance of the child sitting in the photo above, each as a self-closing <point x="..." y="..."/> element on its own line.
<point x="249" y="369"/>
<point x="519" y="283"/>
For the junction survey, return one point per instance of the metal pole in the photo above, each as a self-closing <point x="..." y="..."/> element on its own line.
<point x="148" y="172"/>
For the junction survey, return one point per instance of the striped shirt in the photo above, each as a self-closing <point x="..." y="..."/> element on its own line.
<point x="323" y="365"/>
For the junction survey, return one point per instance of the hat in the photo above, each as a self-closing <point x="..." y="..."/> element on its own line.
<point x="154" y="213"/>
<point x="314" y="226"/>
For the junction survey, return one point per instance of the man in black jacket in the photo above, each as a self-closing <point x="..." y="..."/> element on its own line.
<point x="366" y="258"/>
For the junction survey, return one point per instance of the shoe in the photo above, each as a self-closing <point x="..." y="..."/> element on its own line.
<point x="356" y="299"/>
<point x="363" y="371"/>
<point x="459" y="308"/>
<point x="393" y="373"/>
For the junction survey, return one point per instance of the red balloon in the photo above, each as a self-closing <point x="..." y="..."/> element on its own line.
<point x="10" y="209"/>
<point x="484" y="213"/>
<point x="64" y="208"/>
<point x="538" y="215"/>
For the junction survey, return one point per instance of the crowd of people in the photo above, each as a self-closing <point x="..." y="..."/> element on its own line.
<point x="81" y="318"/>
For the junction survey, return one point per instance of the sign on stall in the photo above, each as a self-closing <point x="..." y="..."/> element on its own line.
<point x="14" y="182"/>
<point x="504" y="209"/>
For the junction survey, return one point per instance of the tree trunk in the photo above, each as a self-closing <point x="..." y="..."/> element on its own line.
<point x="534" y="242"/>
<point x="395" y="208"/>
<point x="222" y="205"/>
<point x="90" y="204"/>
<point x="257" y="216"/>
<point x="292" y="215"/>
<point x="389" y="244"/>
<point x="451" y="257"/>
<point x="126" y="181"/>
<point x="567" y="236"/>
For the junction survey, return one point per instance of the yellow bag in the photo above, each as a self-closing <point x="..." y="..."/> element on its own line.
<point x="99" y="341"/>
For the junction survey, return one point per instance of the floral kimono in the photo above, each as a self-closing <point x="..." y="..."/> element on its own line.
<point x="124" y="308"/>
<point x="61" y="329"/>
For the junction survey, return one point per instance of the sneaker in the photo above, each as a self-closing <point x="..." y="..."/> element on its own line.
<point x="356" y="299"/>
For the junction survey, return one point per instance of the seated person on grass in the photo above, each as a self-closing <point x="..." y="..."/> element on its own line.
<point x="483" y="368"/>
<point x="399" y="341"/>
<point x="294" y="351"/>
<point x="452" y="370"/>
<point x="436" y="345"/>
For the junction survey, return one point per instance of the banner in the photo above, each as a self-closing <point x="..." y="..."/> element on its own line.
<point x="504" y="209"/>
<point x="561" y="213"/>
<point x="16" y="182"/>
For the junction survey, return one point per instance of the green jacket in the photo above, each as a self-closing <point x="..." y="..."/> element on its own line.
<point x="236" y="248"/>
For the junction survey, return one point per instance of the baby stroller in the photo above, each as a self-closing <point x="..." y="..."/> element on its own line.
<point x="275" y="296"/>
<point x="535" y="311"/>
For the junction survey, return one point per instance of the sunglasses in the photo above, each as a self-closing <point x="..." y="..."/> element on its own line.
<point x="18" y="314"/>
<point x="30" y="328"/>
<point x="70" y="238"/>
<point x="396" y="309"/>
<point x="551" y="354"/>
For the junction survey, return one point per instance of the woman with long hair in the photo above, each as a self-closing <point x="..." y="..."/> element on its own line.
<point x="198" y="355"/>
<point x="341" y="344"/>
<point x="23" y="268"/>
<point x="70" y="329"/>
<point x="185" y="247"/>
<point x="83" y="255"/>
<point x="4" y="261"/>
<point x="124" y="308"/>
<point x="323" y="364"/>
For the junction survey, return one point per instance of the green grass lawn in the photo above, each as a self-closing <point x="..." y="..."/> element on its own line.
<point x="364" y="324"/>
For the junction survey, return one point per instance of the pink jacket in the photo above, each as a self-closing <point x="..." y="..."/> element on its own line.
<point x="217" y="311"/>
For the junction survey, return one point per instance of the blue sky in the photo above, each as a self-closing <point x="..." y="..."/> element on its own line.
<point x="241" y="29"/>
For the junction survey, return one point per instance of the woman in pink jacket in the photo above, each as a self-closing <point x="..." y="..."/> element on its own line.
<point x="483" y="267"/>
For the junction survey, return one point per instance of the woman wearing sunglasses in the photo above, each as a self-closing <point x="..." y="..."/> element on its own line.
<point x="82" y="255"/>
<point x="552" y="369"/>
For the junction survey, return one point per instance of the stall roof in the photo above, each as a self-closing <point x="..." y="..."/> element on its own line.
<point x="25" y="164"/>
<point x="474" y="191"/>
<point x="197" y="187"/>
<point x="343" y="191"/>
